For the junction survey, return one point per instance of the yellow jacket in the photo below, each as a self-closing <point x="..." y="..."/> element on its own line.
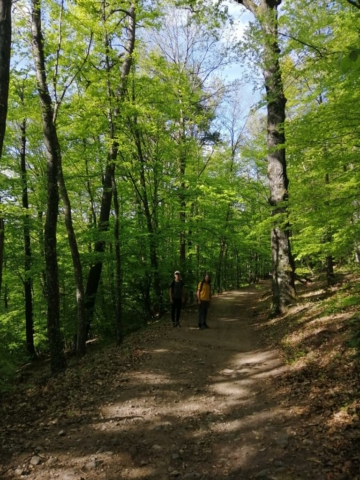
<point x="205" y="293"/>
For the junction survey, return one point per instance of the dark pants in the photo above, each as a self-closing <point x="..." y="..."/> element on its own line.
<point x="203" y="309"/>
<point x="176" y="310"/>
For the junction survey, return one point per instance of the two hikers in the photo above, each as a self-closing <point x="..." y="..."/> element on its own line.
<point x="177" y="298"/>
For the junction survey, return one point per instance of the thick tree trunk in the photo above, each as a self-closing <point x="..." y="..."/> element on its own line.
<point x="283" y="277"/>
<point x="103" y="225"/>
<point x="282" y="260"/>
<point x="58" y="361"/>
<point x="29" y="321"/>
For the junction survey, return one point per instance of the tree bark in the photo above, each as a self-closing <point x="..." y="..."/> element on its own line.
<point x="78" y="274"/>
<point x="5" y="52"/>
<point x="56" y="342"/>
<point x="118" y="294"/>
<point x="2" y="246"/>
<point x="283" y="276"/>
<point x="29" y="321"/>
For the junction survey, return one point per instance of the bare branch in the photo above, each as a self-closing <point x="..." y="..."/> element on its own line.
<point x="68" y="85"/>
<point x="58" y="50"/>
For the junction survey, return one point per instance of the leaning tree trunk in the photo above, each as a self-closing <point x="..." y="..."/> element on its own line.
<point x="103" y="225"/>
<point x="78" y="275"/>
<point x="58" y="361"/>
<point x="283" y="277"/>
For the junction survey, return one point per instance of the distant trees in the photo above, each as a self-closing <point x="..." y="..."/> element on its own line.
<point x="140" y="159"/>
<point x="122" y="173"/>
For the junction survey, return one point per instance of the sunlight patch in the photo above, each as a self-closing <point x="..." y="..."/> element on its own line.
<point x="250" y="421"/>
<point x="224" y="319"/>
<point x="232" y="389"/>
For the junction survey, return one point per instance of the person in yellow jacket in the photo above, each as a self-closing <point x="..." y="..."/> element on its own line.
<point x="204" y="298"/>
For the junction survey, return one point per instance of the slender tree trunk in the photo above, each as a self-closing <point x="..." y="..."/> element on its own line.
<point x="283" y="279"/>
<point x="2" y="247"/>
<point x="103" y="225"/>
<point x="41" y="243"/>
<point x="5" y="52"/>
<point x="78" y="274"/>
<point x="329" y="258"/>
<point x="151" y="231"/>
<point x="182" y="198"/>
<point x="58" y="361"/>
<point x="29" y="321"/>
<point x="118" y="294"/>
<point x="94" y="276"/>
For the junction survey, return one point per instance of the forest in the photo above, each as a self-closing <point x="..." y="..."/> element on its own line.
<point x="128" y="152"/>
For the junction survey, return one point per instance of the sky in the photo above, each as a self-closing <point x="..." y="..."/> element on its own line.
<point x="241" y="19"/>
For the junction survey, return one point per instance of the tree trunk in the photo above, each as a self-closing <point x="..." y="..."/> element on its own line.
<point x="330" y="269"/>
<point x="56" y="342"/>
<point x="118" y="294"/>
<point x="282" y="260"/>
<point x="2" y="246"/>
<point x="78" y="274"/>
<point x="103" y="225"/>
<point x="159" y="308"/>
<point x="29" y="321"/>
<point x="182" y="199"/>
<point x="283" y="276"/>
<point x="5" y="51"/>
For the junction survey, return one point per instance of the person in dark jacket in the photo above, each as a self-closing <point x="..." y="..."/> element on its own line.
<point x="177" y="298"/>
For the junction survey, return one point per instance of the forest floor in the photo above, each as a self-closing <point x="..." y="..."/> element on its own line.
<point x="249" y="398"/>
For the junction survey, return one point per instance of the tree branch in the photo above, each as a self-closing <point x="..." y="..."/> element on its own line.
<point x="354" y="3"/>
<point x="317" y="49"/>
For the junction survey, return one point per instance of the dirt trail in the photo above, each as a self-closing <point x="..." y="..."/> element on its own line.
<point x="201" y="404"/>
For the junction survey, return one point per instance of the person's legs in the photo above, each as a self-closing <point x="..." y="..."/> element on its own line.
<point x="178" y="310"/>
<point x="205" y="310"/>
<point x="200" y="315"/>
<point x="173" y="309"/>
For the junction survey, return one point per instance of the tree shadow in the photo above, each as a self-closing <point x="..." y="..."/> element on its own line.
<point x="180" y="403"/>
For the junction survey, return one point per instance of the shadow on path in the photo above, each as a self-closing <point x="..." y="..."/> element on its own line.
<point x="199" y="404"/>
